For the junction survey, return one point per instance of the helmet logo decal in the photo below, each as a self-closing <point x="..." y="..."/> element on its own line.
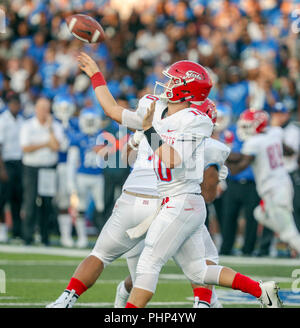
<point x="192" y="74"/>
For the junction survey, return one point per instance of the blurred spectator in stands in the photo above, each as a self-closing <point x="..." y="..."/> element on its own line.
<point x="37" y="48"/>
<point x="256" y="91"/>
<point x="17" y="75"/>
<point x="48" y="69"/>
<point x="227" y="15"/>
<point x="236" y="91"/>
<point x="11" y="166"/>
<point x="40" y="141"/>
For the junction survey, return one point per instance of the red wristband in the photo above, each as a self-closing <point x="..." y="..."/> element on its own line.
<point x="97" y="80"/>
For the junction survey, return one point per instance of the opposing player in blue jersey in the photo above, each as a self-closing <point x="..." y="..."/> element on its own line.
<point x="84" y="175"/>
<point x="64" y="108"/>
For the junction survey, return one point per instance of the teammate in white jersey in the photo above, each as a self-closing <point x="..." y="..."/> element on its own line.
<point x="263" y="150"/>
<point x="181" y="213"/>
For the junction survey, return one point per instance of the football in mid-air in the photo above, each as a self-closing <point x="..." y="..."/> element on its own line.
<point x="85" y="28"/>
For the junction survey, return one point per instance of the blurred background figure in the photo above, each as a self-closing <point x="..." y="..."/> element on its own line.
<point x="63" y="109"/>
<point x="296" y="181"/>
<point x="281" y="116"/>
<point x="221" y="133"/>
<point x="11" y="167"/>
<point x="236" y="91"/>
<point x="40" y="139"/>
<point x="84" y="174"/>
<point x="239" y="200"/>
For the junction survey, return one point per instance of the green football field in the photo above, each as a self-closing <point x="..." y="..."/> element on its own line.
<point x="33" y="277"/>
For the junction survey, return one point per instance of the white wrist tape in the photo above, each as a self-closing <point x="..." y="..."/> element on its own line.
<point x="131" y="145"/>
<point x="132" y="120"/>
<point x="138" y="136"/>
<point x="223" y="172"/>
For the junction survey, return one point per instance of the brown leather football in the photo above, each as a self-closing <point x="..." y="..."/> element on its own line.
<point x="85" y="28"/>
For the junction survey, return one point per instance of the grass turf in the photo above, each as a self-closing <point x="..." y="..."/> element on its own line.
<point x="34" y="280"/>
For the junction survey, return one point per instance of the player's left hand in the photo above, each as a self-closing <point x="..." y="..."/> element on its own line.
<point x="87" y="64"/>
<point x="148" y="118"/>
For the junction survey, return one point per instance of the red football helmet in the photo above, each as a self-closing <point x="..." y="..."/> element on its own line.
<point x="189" y="81"/>
<point x="251" y="122"/>
<point x="208" y="107"/>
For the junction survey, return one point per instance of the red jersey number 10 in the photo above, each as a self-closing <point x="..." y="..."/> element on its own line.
<point x="162" y="173"/>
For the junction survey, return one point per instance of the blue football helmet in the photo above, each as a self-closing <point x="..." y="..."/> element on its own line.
<point x="63" y="107"/>
<point x="90" y="121"/>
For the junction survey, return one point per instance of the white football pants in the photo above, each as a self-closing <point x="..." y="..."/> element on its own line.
<point x="176" y="232"/>
<point x="277" y="215"/>
<point x="90" y="185"/>
<point x="129" y="211"/>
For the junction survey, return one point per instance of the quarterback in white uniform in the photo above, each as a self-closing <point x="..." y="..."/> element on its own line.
<point x="180" y="172"/>
<point x="263" y="150"/>
<point x="143" y="179"/>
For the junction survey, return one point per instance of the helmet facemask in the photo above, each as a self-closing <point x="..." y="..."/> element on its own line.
<point x="245" y="129"/>
<point x="63" y="111"/>
<point x="222" y="122"/>
<point x="89" y="124"/>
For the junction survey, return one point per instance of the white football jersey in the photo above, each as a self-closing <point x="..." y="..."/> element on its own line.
<point x="142" y="178"/>
<point x="291" y="137"/>
<point x="215" y="153"/>
<point x="268" y="166"/>
<point x="184" y="131"/>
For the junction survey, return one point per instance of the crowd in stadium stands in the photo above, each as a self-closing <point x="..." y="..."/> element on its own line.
<point x="251" y="47"/>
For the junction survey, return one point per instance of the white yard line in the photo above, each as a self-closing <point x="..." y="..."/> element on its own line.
<point x="65" y="281"/>
<point x="58" y="251"/>
<point x="163" y="279"/>
<point x="44" y="250"/>
<point x="247" y="261"/>
<point x="117" y="263"/>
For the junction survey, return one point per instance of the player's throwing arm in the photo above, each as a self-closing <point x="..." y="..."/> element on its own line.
<point x="105" y="98"/>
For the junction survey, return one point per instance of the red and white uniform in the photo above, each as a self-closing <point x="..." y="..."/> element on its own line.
<point x="184" y="211"/>
<point x="215" y="153"/>
<point x="273" y="184"/>
<point x="268" y="166"/>
<point x="179" y="222"/>
<point x="185" y="131"/>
